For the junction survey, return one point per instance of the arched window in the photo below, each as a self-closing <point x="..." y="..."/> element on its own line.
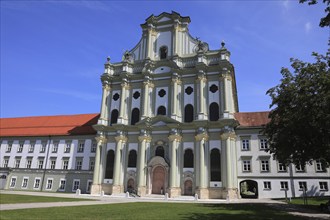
<point x="188" y="113"/>
<point x="214" y="111"/>
<point x="109" y="165"/>
<point x="114" y="116"/>
<point x="215" y="165"/>
<point x="135" y="116"/>
<point x="132" y="158"/>
<point x="163" y="52"/>
<point x="188" y="160"/>
<point x="160" y="151"/>
<point x="161" y="110"/>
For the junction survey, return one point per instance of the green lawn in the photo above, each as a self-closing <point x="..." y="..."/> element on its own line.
<point x="155" y="210"/>
<point x="13" y="198"/>
<point x="315" y="201"/>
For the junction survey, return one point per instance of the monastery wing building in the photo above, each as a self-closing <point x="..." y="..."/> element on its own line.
<point x="169" y="123"/>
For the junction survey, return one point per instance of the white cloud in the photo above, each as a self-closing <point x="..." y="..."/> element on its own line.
<point x="308" y="27"/>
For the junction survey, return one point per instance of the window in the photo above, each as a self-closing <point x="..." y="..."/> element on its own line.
<point x="67" y="148"/>
<point x="13" y="182"/>
<point x="284" y="185"/>
<point x="43" y="147"/>
<point x="161" y="93"/>
<point x="20" y="148"/>
<point x="188" y="113"/>
<point x="31" y="147"/>
<point x="81" y="147"/>
<point x="245" y="144"/>
<point x="188" y="160"/>
<point x="246" y="165"/>
<point x="114" y="116"/>
<point x="135" y="116"/>
<point x="52" y="163"/>
<point x="267" y="185"/>
<point x="319" y="166"/>
<point x="36" y="183"/>
<point x="300" y="168"/>
<point x="136" y="95"/>
<point x="40" y="163"/>
<point x="215" y="165"/>
<point x="17" y="162"/>
<point x="115" y="97"/>
<point x="25" y="182"/>
<point x="281" y="167"/>
<point x="28" y="162"/>
<point x="55" y="147"/>
<point x="160" y="151"/>
<point x="214" y="88"/>
<point x="9" y="146"/>
<point x="76" y="184"/>
<point x="132" y="158"/>
<point x="5" y="162"/>
<point x="302" y="185"/>
<point x="163" y="52"/>
<point x="188" y="90"/>
<point x="263" y="144"/>
<point x="109" y="164"/>
<point x="79" y="162"/>
<point x="161" y="110"/>
<point x="265" y="166"/>
<point x="91" y="163"/>
<point x="89" y="185"/>
<point x="65" y="164"/>
<point x="93" y="148"/>
<point x="49" y="184"/>
<point x="62" y="185"/>
<point x="323" y="186"/>
<point x="214" y="111"/>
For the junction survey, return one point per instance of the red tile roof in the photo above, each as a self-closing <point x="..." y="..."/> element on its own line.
<point x="252" y="119"/>
<point x="48" y="125"/>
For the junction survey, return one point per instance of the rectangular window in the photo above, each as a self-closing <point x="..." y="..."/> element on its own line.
<point x="300" y="168"/>
<point x="323" y="186"/>
<point x="9" y="146"/>
<point x="267" y="185"/>
<point x="13" y="182"/>
<point x="49" y="184"/>
<point x="28" y="162"/>
<point x="52" y="163"/>
<point x="62" y="185"/>
<point x="5" y="162"/>
<point x="36" y="183"/>
<point x="31" y="148"/>
<point x="89" y="185"/>
<point x="281" y="167"/>
<point x="245" y="144"/>
<point x="319" y="166"/>
<point x="43" y="147"/>
<point x="93" y="148"/>
<point x="25" y="182"/>
<point x="265" y="166"/>
<point x="65" y="164"/>
<point x="79" y="162"/>
<point x="263" y="144"/>
<point x="20" y="148"/>
<point x="40" y="163"/>
<point x="246" y="165"/>
<point x="81" y="147"/>
<point x="284" y="185"/>
<point x="91" y="163"/>
<point x="302" y="185"/>
<point x="76" y="184"/>
<point x="67" y="148"/>
<point x="55" y="147"/>
<point x="17" y="162"/>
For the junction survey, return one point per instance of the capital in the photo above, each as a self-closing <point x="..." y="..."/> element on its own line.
<point x="145" y="138"/>
<point x="101" y="140"/>
<point x="202" y="136"/>
<point x="175" y="137"/>
<point x="121" y="138"/>
<point x="224" y="135"/>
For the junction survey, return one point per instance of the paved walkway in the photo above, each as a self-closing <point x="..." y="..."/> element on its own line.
<point x="106" y="199"/>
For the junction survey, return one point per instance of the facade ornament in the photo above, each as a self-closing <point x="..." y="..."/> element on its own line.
<point x="201" y="46"/>
<point x="227" y="132"/>
<point x="175" y="137"/>
<point x="223" y="44"/>
<point x="128" y="56"/>
<point x="101" y="140"/>
<point x="121" y="138"/>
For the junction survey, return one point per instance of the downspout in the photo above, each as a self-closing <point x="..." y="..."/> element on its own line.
<point x="46" y="161"/>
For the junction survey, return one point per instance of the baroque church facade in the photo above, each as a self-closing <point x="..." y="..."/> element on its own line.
<point x="169" y="123"/>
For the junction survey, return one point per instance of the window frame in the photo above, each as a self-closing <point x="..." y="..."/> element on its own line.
<point x="286" y="184"/>
<point x="264" y="165"/>
<point x="245" y="165"/>
<point x="267" y="185"/>
<point x="73" y="185"/>
<point x="11" y="185"/>
<point x="245" y="144"/>
<point x="23" y="183"/>
<point x="60" y="184"/>
<point x="323" y="186"/>
<point x="35" y="181"/>
<point x="47" y="184"/>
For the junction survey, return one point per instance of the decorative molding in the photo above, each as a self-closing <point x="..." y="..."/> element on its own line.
<point x="202" y="136"/>
<point x="145" y="138"/>
<point x="101" y="139"/>
<point x="121" y="138"/>
<point x="175" y="137"/>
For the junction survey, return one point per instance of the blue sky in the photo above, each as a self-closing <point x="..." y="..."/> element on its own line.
<point x="52" y="52"/>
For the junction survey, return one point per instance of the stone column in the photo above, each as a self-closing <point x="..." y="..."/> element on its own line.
<point x="104" y="105"/>
<point x="151" y="33"/>
<point x="202" y="108"/>
<point x="175" y="100"/>
<point x="229" y="177"/>
<point x="123" y="118"/>
<point x="117" y="185"/>
<point x="227" y="94"/>
<point x="201" y="141"/>
<point x="147" y="99"/>
<point x="174" y="190"/>
<point x="144" y="139"/>
<point x="97" y="175"/>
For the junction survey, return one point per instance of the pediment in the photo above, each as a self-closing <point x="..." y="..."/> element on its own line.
<point x="157" y="121"/>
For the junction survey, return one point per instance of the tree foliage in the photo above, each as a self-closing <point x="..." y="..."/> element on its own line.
<point x="325" y="21"/>
<point x="299" y="128"/>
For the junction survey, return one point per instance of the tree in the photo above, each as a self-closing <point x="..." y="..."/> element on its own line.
<point x="325" y="21"/>
<point x="299" y="127"/>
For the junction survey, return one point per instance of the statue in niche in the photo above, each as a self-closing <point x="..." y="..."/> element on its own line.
<point x="201" y="46"/>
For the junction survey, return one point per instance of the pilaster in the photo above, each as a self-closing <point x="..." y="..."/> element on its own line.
<point x="175" y="99"/>
<point x="125" y="88"/>
<point x="201" y="139"/>
<point x="174" y="189"/>
<point x="117" y="185"/>
<point x="228" y="96"/>
<point x="97" y="175"/>
<point x="144" y="139"/>
<point x="202" y="109"/>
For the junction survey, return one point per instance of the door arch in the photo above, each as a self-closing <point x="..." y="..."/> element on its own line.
<point x="130" y="185"/>
<point x="249" y="189"/>
<point x="158" y="180"/>
<point x="188" y="188"/>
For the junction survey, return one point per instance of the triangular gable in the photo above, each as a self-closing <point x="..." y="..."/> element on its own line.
<point x="157" y="121"/>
